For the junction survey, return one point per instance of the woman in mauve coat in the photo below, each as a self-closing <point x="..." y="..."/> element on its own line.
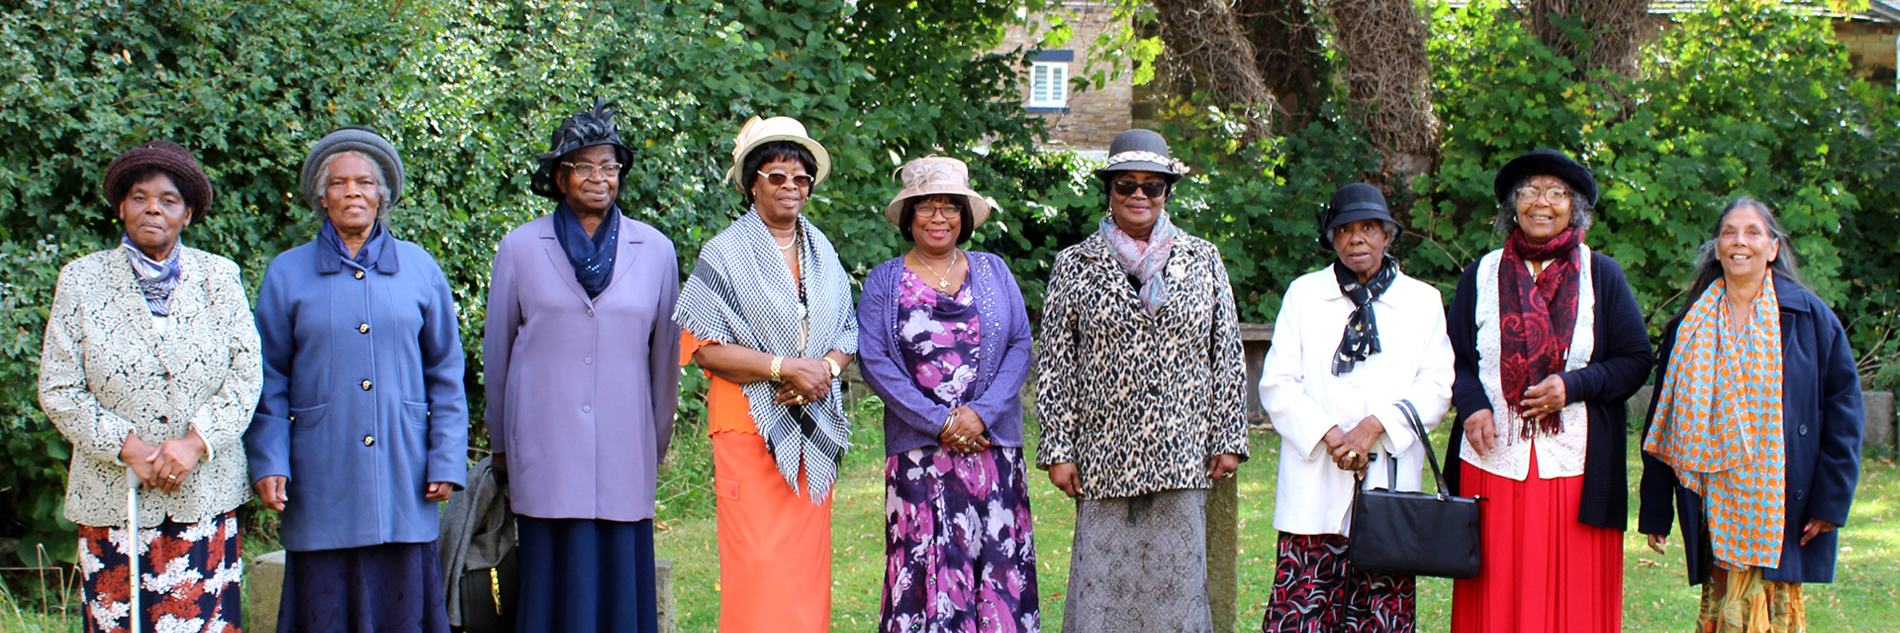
<point x="580" y="349"/>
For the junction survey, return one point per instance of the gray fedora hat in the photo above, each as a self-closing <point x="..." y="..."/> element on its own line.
<point x="354" y="138"/>
<point x="1141" y="150"/>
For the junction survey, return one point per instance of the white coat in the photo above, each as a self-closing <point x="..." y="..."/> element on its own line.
<point x="1304" y="399"/>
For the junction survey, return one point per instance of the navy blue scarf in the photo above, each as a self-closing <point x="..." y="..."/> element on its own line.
<point x="592" y="258"/>
<point x="366" y="256"/>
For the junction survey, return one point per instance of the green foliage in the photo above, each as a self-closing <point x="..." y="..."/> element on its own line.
<point x="468" y="91"/>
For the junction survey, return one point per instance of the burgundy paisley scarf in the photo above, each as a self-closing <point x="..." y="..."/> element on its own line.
<point x="1537" y="316"/>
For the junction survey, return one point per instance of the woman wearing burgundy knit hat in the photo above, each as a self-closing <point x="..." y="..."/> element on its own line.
<point x="150" y="367"/>
<point x="1549" y="344"/>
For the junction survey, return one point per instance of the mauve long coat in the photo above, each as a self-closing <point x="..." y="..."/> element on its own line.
<point x="581" y="392"/>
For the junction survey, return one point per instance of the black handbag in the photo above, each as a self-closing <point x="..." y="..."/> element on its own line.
<point x="1414" y="533"/>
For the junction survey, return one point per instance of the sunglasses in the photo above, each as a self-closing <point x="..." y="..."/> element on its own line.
<point x="777" y="179"/>
<point x="1152" y="188"/>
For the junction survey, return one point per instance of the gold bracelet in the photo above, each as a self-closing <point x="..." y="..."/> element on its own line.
<point x="776" y="361"/>
<point x="836" y="369"/>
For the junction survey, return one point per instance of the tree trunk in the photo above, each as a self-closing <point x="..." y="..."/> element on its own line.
<point x="1614" y="28"/>
<point x="1388" y="76"/>
<point x="1288" y="55"/>
<point x="1205" y="38"/>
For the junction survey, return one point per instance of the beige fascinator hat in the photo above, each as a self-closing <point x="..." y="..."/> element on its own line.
<point x="936" y="175"/>
<point x="757" y="131"/>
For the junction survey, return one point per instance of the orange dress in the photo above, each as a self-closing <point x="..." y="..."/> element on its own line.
<point x="774" y="543"/>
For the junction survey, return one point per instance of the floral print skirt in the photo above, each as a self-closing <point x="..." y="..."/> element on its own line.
<point x="1317" y="590"/>
<point x="959" y="555"/>
<point x="188" y="577"/>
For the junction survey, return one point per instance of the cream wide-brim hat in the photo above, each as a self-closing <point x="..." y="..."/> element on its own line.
<point x="936" y="175"/>
<point x="757" y="132"/>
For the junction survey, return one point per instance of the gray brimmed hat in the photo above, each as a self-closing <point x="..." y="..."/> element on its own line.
<point x="1545" y="162"/>
<point x="1141" y="150"/>
<point x="585" y="129"/>
<point x="936" y="175"/>
<point x="1352" y="203"/>
<point x="354" y="138"/>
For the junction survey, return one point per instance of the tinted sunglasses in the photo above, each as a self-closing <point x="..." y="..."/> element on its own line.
<point x="1152" y="188"/>
<point x="777" y="179"/>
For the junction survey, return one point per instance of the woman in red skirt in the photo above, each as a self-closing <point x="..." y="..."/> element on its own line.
<point x="1549" y="344"/>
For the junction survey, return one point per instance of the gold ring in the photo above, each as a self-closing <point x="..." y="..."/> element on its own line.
<point x="800" y="399"/>
<point x="172" y="477"/>
<point x="1352" y="454"/>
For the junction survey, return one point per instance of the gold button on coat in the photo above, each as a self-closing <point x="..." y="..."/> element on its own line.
<point x="359" y="274"/>
<point x="369" y="440"/>
<point x="364" y="328"/>
<point x="366" y="385"/>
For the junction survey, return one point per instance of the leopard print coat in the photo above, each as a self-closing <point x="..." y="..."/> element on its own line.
<point x="1139" y="401"/>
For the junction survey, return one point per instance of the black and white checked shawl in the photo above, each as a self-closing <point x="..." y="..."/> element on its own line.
<point x="740" y="292"/>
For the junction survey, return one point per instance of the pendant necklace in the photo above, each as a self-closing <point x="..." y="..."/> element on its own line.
<point x="943" y="283"/>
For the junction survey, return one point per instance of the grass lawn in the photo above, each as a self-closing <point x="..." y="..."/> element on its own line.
<point x="1863" y="598"/>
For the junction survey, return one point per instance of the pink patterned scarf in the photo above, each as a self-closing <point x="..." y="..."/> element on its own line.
<point x="1144" y="260"/>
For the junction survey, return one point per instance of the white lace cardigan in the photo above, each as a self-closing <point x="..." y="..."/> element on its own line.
<point x="1558" y="455"/>
<point x="106" y="370"/>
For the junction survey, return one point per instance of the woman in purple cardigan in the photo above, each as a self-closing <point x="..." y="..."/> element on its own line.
<point x="944" y="340"/>
<point x="579" y="353"/>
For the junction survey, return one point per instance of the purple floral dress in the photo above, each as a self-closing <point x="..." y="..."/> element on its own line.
<point x="959" y="556"/>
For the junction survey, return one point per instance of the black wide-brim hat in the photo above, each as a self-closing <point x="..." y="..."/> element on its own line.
<point x="1545" y="162"/>
<point x="1141" y="150"/>
<point x="1352" y="203"/>
<point x="583" y="130"/>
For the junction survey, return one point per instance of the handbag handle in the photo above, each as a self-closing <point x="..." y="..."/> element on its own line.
<point x="1424" y="439"/>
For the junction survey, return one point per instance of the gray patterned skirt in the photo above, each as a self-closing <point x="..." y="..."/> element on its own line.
<point x="1140" y="565"/>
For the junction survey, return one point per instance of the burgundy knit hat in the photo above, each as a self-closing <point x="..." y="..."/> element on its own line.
<point x="166" y="155"/>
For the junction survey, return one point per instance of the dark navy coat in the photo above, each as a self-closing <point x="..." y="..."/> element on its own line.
<point x="1821" y="419"/>
<point x="363" y="404"/>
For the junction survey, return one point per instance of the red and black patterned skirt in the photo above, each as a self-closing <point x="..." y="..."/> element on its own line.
<point x="1316" y="589"/>
<point x="188" y="577"/>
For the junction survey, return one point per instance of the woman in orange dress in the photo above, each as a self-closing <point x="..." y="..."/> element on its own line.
<point x="767" y="312"/>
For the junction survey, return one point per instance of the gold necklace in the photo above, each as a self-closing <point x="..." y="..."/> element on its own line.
<point x="787" y="245"/>
<point x="943" y="283"/>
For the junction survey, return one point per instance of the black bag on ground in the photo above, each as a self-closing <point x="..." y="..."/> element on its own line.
<point x="1414" y="533"/>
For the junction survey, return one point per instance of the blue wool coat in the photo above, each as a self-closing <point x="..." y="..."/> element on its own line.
<point x="1821" y="419"/>
<point x="363" y="403"/>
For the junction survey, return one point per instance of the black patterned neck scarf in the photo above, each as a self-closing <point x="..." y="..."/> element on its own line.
<point x="592" y="258"/>
<point x="1362" y="330"/>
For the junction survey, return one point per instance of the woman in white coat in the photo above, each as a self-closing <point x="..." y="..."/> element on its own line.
<point x="1353" y="345"/>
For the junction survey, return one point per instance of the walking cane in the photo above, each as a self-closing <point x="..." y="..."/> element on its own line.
<point x="132" y="540"/>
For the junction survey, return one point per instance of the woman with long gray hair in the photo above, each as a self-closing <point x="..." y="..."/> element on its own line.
<point x="1549" y="343"/>
<point x="1755" y="431"/>
<point x="363" y="426"/>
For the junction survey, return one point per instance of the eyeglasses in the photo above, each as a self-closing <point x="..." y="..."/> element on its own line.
<point x="1152" y="188"/>
<point x="777" y="179"/>
<point x="588" y="170"/>
<point x="1549" y="196"/>
<point x="934" y="211"/>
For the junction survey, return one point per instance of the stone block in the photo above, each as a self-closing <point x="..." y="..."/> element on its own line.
<point x="263" y="587"/>
<point x="1878" y="439"/>
<point x="1223" y="552"/>
<point x="669" y="604"/>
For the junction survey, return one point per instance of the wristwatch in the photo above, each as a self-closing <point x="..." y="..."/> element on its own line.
<point x="835" y="367"/>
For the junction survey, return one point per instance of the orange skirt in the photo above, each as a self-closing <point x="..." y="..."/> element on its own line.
<point x="774" y="545"/>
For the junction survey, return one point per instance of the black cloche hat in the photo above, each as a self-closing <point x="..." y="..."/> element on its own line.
<point x="1352" y="203"/>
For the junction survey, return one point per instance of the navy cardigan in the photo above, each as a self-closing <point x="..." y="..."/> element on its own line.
<point x="1618" y="366"/>
<point x="1821" y="421"/>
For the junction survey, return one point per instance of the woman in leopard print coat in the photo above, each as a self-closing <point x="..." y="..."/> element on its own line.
<point x="1141" y="401"/>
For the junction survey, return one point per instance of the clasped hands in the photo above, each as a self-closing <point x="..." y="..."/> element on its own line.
<point x="964" y="432"/>
<point x="802" y="381"/>
<point x="1545" y="398"/>
<point x="163" y="467"/>
<point x="1352" y="450"/>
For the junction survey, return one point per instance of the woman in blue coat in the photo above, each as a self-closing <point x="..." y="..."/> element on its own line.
<point x="1754" y="435"/>
<point x="362" y="428"/>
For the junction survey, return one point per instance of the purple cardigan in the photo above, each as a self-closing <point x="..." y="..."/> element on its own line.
<point x="581" y="392"/>
<point x="911" y="418"/>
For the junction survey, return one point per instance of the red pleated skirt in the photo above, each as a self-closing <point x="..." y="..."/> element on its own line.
<point x="1542" y="570"/>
